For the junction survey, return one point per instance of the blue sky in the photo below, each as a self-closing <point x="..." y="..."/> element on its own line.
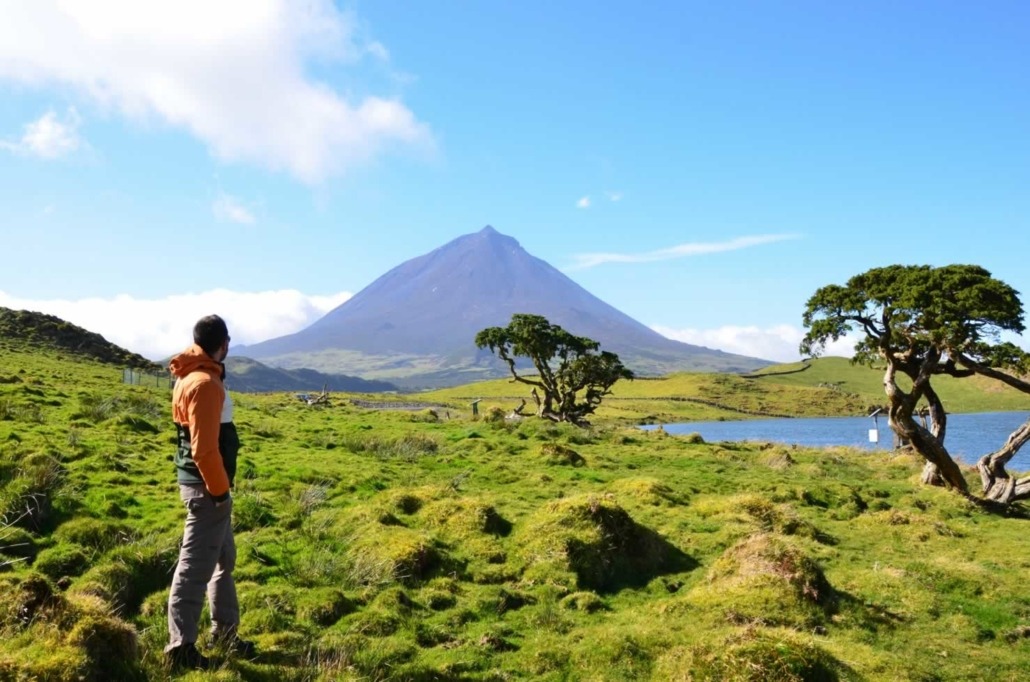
<point x="703" y="167"/>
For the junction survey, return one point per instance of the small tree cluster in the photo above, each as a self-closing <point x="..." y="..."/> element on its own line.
<point x="571" y="372"/>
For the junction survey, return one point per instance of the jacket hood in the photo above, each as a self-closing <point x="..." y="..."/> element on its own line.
<point x="191" y="360"/>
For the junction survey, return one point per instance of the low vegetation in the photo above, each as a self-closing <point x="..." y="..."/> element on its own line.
<point x="425" y="544"/>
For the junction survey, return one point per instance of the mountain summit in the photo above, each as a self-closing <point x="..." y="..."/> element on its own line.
<point x="415" y="325"/>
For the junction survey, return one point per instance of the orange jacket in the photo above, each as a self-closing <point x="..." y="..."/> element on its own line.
<point x="197" y="404"/>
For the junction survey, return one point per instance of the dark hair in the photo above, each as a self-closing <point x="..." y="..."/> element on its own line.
<point x="210" y="333"/>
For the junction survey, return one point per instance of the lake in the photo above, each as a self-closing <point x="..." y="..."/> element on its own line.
<point x="969" y="437"/>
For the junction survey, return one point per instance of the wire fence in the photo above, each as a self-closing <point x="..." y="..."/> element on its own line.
<point x="140" y="378"/>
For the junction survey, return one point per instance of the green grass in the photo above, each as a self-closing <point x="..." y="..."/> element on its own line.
<point x="392" y="544"/>
<point x="822" y="387"/>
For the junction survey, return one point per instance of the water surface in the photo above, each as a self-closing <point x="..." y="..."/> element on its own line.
<point x="969" y="436"/>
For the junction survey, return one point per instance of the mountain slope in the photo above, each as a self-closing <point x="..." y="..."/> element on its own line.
<point x="250" y="376"/>
<point x="415" y="324"/>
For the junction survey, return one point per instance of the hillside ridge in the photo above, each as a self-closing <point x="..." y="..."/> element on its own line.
<point x="26" y="327"/>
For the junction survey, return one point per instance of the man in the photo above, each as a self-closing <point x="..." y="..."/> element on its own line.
<point x="208" y="553"/>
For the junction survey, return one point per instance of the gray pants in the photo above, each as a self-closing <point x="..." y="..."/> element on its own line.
<point x="206" y="563"/>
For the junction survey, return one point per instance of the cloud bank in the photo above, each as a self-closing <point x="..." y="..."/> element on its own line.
<point x="232" y="73"/>
<point x="778" y="343"/>
<point x="157" y="328"/>
<point x="583" y="261"/>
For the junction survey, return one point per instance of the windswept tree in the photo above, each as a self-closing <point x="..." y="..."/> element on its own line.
<point x="926" y="322"/>
<point x="571" y="373"/>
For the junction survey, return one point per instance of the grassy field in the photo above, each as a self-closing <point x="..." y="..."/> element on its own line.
<point x="424" y="544"/>
<point x="822" y="387"/>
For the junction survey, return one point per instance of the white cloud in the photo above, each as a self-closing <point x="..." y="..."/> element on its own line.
<point x="584" y="202"/>
<point x="232" y="73"/>
<point x="49" y="136"/>
<point x="779" y="343"/>
<point x="589" y="260"/>
<point x="157" y="328"/>
<point x="378" y="50"/>
<point x="614" y="196"/>
<point x="229" y="208"/>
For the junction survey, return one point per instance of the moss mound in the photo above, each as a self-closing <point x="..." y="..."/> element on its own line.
<point x="17" y="543"/>
<point x="766" y="579"/>
<point x="646" y="490"/>
<point x="31" y="597"/>
<point x="756" y="512"/>
<point x="593" y="541"/>
<point x="127" y="576"/>
<point x="93" y="533"/>
<point x="411" y="500"/>
<point x="323" y="606"/>
<point x="556" y="454"/>
<point x="752" y="656"/>
<point x="382" y="554"/>
<point x="61" y="561"/>
<point x="465" y="517"/>
<point x="110" y="645"/>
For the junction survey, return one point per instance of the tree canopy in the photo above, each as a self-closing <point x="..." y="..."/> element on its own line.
<point x="924" y="322"/>
<point x="571" y="372"/>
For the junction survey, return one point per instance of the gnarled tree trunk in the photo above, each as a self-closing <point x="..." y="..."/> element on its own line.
<point x="998" y="486"/>
<point x="941" y="468"/>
